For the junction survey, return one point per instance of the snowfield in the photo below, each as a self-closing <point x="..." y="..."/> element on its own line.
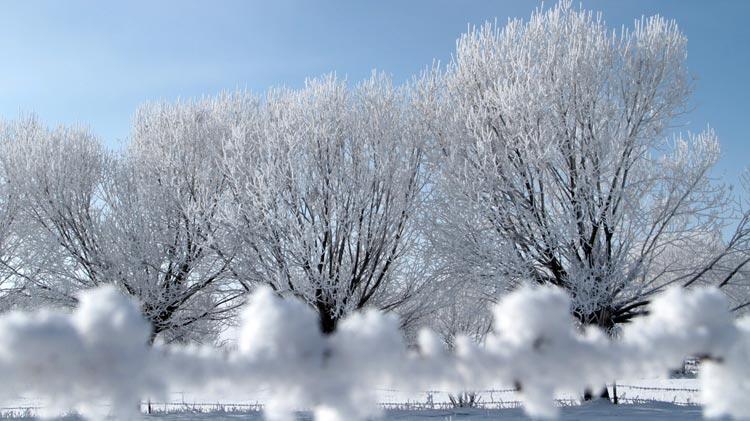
<point x="656" y="399"/>
<point x="592" y="411"/>
<point x="595" y="411"/>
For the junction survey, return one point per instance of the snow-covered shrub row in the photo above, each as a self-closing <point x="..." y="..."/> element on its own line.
<point x="99" y="355"/>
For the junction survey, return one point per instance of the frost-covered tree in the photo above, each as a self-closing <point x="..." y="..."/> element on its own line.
<point x="463" y="312"/>
<point x="144" y="220"/>
<point x="558" y="167"/>
<point x="328" y="180"/>
<point x="56" y="176"/>
<point x="733" y="272"/>
<point x="164" y="204"/>
<point x="9" y="287"/>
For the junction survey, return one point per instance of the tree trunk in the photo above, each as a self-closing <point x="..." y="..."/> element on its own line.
<point x="604" y="320"/>
<point x="327" y="321"/>
<point x="615" y="400"/>
<point x="152" y="336"/>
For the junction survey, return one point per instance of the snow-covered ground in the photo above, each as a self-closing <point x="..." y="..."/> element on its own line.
<point x="596" y="411"/>
<point x="588" y="412"/>
<point x="644" y="399"/>
<point x="677" y="391"/>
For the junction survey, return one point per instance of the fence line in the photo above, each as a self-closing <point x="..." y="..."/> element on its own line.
<point x="664" y="389"/>
<point x="202" y="407"/>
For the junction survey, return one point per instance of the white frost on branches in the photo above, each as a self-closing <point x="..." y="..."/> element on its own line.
<point x="556" y="165"/>
<point x="327" y="183"/>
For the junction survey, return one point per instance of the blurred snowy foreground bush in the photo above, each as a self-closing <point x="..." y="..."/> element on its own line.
<point x="100" y="354"/>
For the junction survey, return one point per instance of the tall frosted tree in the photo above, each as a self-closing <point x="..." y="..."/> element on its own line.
<point x="328" y="180"/>
<point x="558" y="166"/>
<point x="9" y="289"/>
<point x="145" y="220"/>
<point x="164" y="202"/>
<point x="56" y="176"/>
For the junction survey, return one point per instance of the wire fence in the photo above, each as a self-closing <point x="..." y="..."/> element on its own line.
<point x="431" y="400"/>
<point x="628" y="394"/>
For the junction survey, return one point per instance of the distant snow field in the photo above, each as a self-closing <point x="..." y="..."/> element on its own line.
<point x="591" y="411"/>
<point x="594" y="411"/>
<point x="644" y="399"/>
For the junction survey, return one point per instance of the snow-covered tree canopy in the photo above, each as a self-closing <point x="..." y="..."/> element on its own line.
<point x="327" y="182"/>
<point x="146" y="220"/>
<point x="558" y="166"/>
<point x="165" y="199"/>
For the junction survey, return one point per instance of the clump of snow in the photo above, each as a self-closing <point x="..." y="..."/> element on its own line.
<point x="99" y="354"/>
<point x="680" y="323"/>
<point x="366" y="350"/>
<point x="534" y="333"/>
<point x="725" y="379"/>
<point x="280" y="339"/>
<point x="96" y="355"/>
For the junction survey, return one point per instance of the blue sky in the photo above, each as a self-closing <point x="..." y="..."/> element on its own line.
<point x="93" y="62"/>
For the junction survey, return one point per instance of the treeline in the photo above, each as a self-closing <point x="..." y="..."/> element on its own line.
<point x="540" y="154"/>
